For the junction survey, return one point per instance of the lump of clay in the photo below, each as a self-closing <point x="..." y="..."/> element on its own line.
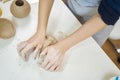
<point x="20" y="8"/>
<point x="7" y="29"/>
<point x="49" y="41"/>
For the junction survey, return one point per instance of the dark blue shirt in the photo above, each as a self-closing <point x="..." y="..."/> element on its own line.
<point x="109" y="11"/>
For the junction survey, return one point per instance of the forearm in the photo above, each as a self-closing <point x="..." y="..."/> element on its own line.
<point x="44" y="9"/>
<point x="92" y="26"/>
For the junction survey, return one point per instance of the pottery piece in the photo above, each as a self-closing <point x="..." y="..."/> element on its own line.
<point x="7" y="29"/>
<point x="20" y="8"/>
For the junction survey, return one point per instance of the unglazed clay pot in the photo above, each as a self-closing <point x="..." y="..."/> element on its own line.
<point x="0" y="12"/>
<point x="20" y="8"/>
<point x="7" y="29"/>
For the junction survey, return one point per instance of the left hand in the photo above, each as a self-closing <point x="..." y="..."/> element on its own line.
<point x="33" y="43"/>
<point x="54" y="57"/>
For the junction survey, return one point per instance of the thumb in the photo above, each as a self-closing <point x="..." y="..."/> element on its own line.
<point x="42" y="55"/>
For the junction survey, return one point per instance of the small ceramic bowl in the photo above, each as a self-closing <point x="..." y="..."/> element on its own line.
<point x="7" y="29"/>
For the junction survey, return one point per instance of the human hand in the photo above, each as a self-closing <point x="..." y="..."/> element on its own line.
<point x="53" y="57"/>
<point x="35" y="42"/>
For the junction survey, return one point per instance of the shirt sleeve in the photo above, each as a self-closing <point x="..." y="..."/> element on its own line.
<point x="109" y="11"/>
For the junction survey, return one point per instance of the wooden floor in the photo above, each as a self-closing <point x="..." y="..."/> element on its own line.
<point x="110" y="51"/>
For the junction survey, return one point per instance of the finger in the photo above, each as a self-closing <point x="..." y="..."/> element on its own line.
<point x="53" y="67"/>
<point x="42" y="56"/>
<point x="37" y="51"/>
<point x="23" y="56"/>
<point x="21" y="46"/>
<point x="44" y="52"/>
<point x="58" y="68"/>
<point x="27" y="48"/>
<point x="26" y="52"/>
<point x="41" y="59"/>
<point x="49" y="65"/>
<point x="44" y="64"/>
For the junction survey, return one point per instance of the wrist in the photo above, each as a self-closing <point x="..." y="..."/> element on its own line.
<point x="40" y="33"/>
<point x="63" y="45"/>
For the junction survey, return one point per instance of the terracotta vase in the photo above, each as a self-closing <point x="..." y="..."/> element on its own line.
<point x="20" y="8"/>
<point x="7" y="29"/>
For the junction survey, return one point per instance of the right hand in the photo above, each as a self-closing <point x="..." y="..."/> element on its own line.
<point x="34" y="43"/>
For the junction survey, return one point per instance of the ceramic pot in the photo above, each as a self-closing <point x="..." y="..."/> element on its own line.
<point x="20" y="8"/>
<point x="7" y="29"/>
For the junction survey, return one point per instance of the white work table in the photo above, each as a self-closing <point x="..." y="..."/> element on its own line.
<point x="84" y="61"/>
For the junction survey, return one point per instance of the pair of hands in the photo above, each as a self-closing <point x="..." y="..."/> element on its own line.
<point x="54" y="53"/>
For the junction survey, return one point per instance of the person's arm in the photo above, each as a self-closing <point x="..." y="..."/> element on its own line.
<point x="43" y="14"/>
<point x="37" y="40"/>
<point x="92" y="26"/>
<point x="55" y="53"/>
<point x="109" y="13"/>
